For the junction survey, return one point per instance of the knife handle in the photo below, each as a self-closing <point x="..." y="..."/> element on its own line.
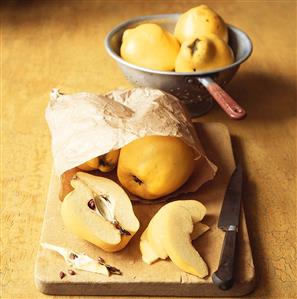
<point x="223" y="277"/>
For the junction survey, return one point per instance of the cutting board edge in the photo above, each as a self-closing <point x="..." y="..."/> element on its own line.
<point x="143" y="289"/>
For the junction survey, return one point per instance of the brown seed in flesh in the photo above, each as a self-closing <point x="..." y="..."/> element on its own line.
<point x="73" y="256"/>
<point x="101" y="260"/>
<point x="91" y="204"/>
<point x="71" y="272"/>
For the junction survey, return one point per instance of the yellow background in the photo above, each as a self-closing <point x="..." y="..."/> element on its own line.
<point x="46" y="44"/>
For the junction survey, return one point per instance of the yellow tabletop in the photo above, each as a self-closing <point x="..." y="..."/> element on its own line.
<point x="48" y="44"/>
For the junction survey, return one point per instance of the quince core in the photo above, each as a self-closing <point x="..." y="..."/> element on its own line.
<point x="99" y="211"/>
<point x="154" y="166"/>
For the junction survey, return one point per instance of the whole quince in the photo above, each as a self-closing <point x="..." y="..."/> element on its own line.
<point x="203" y="53"/>
<point x="200" y="20"/>
<point x="104" y="163"/>
<point x="155" y="166"/>
<point x="150" y="46"/>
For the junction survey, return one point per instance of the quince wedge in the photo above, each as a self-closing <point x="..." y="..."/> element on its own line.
<point x="170" y="233"/>
<point x="200" y="20"/>
<point x="155" y="235"/>
<point x="99" y="211"/>
<point x="150" y="255"/>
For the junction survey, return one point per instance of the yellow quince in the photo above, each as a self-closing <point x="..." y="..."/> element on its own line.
<point x="200" y="20"/>
<point x="104" y="163"/>
<point x="150" y="46"/>
<point x="203" y="53"/>
<point x="154" y="166"/>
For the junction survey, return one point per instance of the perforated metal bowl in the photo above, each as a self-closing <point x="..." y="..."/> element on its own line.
<point x="191" y="88"/>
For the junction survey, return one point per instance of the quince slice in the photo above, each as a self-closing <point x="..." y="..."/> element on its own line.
<point x="178" y="244"/>
<point x="149" y="254"/>
<point x="98" y="210"/>
<point x="198" y="230"/>
<point x="155" y="234"/>
<point x="170" y="233"/>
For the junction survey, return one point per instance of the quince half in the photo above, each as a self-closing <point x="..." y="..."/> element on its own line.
<point x="154" y="166"/>
<point x="104" y="163"/>
<point x="170" y="233"/>
<point x="99" y="211"/>
<point x="151" y="46"/>
<point x="200" y="20"/>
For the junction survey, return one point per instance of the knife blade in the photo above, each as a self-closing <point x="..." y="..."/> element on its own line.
<point x="229" y="222"/>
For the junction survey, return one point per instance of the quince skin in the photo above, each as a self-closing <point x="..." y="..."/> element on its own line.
<point x="104" y="163"/>
<point x="203" y="53"/>
<point x="200" y="20"/>
<point x="154" y="166"/>
<point x="150" y="46"/>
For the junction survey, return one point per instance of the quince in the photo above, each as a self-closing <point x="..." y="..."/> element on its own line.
<point x="150" y="46"/>
<point x="154" y="166"/>
<point x="203" y="53"/>
<point x="150" y="255"/>
<point x="200" y="20"/>
<point x="98" y="210"/>
<point x="90" y="165"/>
<point x="104" y="163"/>
<point x="170" y="232"/>
<point x="65" y="179"/>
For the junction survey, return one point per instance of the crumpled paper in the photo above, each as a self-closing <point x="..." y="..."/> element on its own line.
<point x="87" y="125"/>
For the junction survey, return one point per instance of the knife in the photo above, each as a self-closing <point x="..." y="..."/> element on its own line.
<point x="228" y="222"/>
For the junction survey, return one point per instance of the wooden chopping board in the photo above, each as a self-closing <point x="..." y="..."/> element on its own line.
<point x="162" y="278"/>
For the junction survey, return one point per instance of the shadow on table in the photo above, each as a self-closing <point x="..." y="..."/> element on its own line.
<point x="251" y="206"/>
<point x="266" y="97"/>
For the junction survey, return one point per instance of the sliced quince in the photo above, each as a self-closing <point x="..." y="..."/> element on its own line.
<point x="150" y="255"/>
<point x="198" y="230"/>
<point x="98" y="210"/>
<point x="178" y="245"/>
<point x="170" y="233"/>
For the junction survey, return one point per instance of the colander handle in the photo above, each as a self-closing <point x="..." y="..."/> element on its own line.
<point x="225" y="101"/>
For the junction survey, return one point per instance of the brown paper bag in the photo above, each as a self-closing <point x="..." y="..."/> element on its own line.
<point x="86" y="125"/>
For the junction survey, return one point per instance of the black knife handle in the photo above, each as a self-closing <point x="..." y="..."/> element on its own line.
<point x="223" y="277"/>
